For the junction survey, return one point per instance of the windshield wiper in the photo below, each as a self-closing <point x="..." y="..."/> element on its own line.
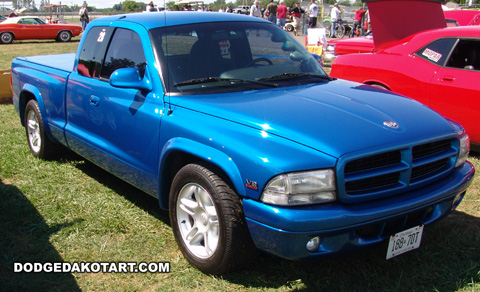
<point x="217" y="79"/>
<point x="294" y="76"/>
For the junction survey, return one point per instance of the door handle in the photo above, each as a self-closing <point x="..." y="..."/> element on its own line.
<point x="448" y="78"/>
<point x="94" y="100"/>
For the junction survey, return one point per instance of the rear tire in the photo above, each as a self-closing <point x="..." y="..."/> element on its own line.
<point x="40" y="145"/>
<point x="6" y="38"/>
<point x="208" y="221"/>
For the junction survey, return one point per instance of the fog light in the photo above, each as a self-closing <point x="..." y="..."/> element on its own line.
<point x="313" y="244"/>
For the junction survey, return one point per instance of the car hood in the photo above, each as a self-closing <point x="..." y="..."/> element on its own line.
<point x="395" y="20"/>
<point x="335" y="117"/>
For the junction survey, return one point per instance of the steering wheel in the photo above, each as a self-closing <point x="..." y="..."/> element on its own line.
<point x="261" y="60"/>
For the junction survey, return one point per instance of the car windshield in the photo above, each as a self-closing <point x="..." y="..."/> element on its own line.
<point x="232" y="56"/>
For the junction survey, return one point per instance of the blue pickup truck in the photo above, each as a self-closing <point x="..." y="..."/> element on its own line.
<point x="242" y="136"/>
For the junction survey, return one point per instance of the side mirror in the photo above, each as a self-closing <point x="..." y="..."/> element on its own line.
<point x="289" y="46"/>
<point x="130" y="78"/>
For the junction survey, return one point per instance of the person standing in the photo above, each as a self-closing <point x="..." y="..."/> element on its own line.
<point x="272" y="11"/>
<point x="13" y="14"/>
<point x="281" y="14"/>
<point x="312" y="14"/>
<point x="296" y="12"/>
<point x="357" y="22"/>
<point x="334" y="16"/>
<point x="255" y="10"/>
<point x="84" y="16"/>
<point x="150" y="7"/>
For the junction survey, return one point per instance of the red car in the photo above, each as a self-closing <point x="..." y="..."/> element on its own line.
<point x="337" y="47"/>
<point x="463" y="17"/>
<point x="439" y="67"/>
<point x="32" y="27"/>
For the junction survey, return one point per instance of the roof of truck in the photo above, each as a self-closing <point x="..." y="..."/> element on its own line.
<point x="171" y="18"/>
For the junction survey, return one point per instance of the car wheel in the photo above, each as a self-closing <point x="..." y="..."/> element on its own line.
<point x="40" y="145"/>
<point x="289" y="27"/>
<point x="6" y="38"/>
<point x="208" y="221"/>
<point x="64" y="36"/>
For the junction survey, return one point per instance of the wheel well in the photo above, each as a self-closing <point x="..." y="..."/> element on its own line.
<point x="378" y="85"/>
<point x="25" y="97"/>
<point x="63" y="31"/>
<point x="174" y="162"/>
<point x="11" y="32"/>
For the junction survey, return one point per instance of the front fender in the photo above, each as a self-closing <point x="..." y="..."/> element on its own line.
<point x="203" y="152"/>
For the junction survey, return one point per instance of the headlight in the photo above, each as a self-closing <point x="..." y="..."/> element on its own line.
<point x="301" y="188"/>
<point x="330" y="47"/>
<point x="464" y="147"/>
<point x="464" y="150"/>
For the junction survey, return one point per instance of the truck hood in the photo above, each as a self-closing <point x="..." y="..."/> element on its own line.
<point x="336" y="117"/>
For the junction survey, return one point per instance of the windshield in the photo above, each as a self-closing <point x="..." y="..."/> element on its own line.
<point x="232" y="56"/>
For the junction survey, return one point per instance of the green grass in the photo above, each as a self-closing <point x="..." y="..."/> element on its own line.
<point x="33" y="47"/>
<point x="70" y="210"/>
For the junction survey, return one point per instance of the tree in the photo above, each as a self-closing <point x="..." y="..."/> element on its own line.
<point x="131" y="6"/>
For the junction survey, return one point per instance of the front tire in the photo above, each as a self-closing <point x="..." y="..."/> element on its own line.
<point x="6" y="38"/>
<point x="40" y="145"/>
<point x="64" y="36"/>
<point x="208" y="221"/>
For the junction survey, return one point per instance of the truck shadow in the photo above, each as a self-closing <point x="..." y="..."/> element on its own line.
<point x="25" y="239"/>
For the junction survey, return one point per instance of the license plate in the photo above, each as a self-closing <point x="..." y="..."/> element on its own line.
<point x="404" y="241"/>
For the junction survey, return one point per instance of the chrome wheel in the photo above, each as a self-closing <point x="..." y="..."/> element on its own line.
<point x="197" y="220"/>
<point x="6" y="38"/>
<point x="40" y="144"/>
<point x="208" y="221"/>
<point x="33" y="132"/>
<point x="64" y="36"/>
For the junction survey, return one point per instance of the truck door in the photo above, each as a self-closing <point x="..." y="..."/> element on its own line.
<point x="117" y="128"/>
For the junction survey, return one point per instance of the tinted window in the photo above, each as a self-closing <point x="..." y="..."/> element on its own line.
<point x="437" y="51"/>
<point x="125" y="51"/>
<point x="93" y="51"/>
<point x="466" y="55"/>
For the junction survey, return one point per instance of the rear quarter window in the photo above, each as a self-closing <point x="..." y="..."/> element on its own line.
<point x="438" y="51"/>
<point x="93" y="51"/>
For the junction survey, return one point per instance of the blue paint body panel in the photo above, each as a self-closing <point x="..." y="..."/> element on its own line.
<point x="250" y="130"/>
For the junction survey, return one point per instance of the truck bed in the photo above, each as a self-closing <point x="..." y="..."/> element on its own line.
<point x="62" y="62"/>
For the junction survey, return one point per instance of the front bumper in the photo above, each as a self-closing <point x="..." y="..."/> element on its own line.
<point x="285" y="231"/>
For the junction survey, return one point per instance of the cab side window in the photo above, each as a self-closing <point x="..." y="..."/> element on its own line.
<point x="93" y="51"/>
<point x="466" y="55"/>
<point x="125" y="51"/>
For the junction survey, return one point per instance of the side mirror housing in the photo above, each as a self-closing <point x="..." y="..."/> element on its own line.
<point x="130" y="78"/>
